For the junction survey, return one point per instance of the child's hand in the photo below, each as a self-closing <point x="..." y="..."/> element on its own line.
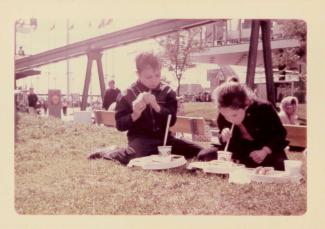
<point x="147" y="97"/>
<point x="138" y="107"/>
<point x="258" y="155"/>
<point x="150" y="99"/>
<point x="225" y="134"/>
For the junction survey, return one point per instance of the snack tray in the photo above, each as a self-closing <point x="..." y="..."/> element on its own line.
<point x="214" y="166"/>
<point x="157" y="162"/>
<point x="226" y="167"/>
<point x="274" y="177"/>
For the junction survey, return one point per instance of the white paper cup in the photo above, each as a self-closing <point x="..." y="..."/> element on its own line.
<point x="293" y="167"/>
<point x="224" y="156"/>
<point x="164" y="151"/>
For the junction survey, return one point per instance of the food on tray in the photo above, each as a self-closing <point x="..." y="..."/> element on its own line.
<point x="264" y="170"/>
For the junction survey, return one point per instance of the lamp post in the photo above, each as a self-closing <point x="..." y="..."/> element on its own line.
<point x="68" y="62"/>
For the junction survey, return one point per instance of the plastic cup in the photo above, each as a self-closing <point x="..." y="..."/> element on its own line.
<point x="293" y="167"/>
<point x="164" y="151"/>
<point x="224" y="156"/>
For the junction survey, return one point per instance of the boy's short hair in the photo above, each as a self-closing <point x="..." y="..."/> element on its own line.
<point x="147" y="58"/>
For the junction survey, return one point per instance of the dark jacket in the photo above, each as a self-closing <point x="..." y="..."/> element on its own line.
<point x="264" y="125"/>
<point x="110" y="97"/>
<point x="32" y="100"/>
<point x="150" y="123"/>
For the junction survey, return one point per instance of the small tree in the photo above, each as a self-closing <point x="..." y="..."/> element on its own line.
<point x="177" y="48"/>
<point x="291" y="57"/>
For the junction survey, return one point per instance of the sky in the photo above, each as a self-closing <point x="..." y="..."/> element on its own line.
<point x="118" y="63"/>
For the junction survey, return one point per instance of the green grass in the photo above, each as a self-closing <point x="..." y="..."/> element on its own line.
<point x="53" y="176"/>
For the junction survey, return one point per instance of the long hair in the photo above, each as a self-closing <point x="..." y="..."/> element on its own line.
<point x="233" y="95"/>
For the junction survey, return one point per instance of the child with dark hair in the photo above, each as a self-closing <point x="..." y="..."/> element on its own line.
<point x="143" y="111"/>
<point x="258" y="137"/>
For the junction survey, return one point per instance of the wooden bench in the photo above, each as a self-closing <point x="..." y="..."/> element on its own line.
<point x="105" y="117"/>
<point x="191" y="125"/>
<point x="297" y="135"/>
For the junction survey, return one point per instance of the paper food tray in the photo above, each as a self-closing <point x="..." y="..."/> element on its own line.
<point x="157" y="162"/>
<point x="275" y="177"/>
<point x="215" y="166"/>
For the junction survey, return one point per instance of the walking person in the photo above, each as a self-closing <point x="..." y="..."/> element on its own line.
<point x="111" y="95"/>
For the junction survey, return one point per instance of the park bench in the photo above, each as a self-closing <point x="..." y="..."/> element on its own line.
<point x="104" y="117"/>
<point x="297" y="135"/>
<point x="189" y="125"/>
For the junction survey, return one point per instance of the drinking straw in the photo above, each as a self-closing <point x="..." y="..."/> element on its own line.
<point x="231" y="129"/>
<point x="167" y="128"/>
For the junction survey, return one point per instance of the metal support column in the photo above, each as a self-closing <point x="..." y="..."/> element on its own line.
<point x="267" y="55"/>
<point x="87" y="81"/>
<point x="100" y="74"/>
<point x="252" y="55"/>
<point x="93" y="55"/>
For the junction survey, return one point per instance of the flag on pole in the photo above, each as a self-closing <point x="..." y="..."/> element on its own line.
<point x="22" y="27"/>
<point x="33" y="23"/>
<point x="105" y="22"/>
<point x="52" y="27"/>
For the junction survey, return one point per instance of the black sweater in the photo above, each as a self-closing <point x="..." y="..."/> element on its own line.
<point x="110" y="97"/>
<point x="150" y="123"/>
<point x="263" y="124"/>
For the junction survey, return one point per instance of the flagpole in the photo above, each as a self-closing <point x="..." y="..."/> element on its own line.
<point x="68" y="62"/>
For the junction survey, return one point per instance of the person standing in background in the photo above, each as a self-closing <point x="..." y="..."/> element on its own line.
<point x="111" y="94"/>
<point x="64" y="106"/>
<point x="32" y="101"/>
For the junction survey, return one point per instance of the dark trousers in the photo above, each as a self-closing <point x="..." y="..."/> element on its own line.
<point x="144" y="146"/>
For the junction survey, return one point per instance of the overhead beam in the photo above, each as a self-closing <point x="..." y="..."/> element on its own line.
<point x="107" y="41"/>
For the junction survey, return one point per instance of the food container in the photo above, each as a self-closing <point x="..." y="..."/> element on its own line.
<point x="293" y="167"/>
<point x="224" y="156"/>
<point x="165" y="151"/>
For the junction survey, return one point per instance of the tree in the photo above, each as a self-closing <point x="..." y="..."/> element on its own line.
<point x="291" y="58"/>
<point x="177" y="48"/>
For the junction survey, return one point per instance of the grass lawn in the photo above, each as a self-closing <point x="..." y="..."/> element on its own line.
<point x="53" y="176"/>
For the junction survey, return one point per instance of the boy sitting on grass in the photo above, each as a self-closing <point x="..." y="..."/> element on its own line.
<point x="143" y="111"/>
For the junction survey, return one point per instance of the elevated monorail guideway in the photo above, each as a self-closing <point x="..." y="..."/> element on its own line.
<point x="92" y="47"/>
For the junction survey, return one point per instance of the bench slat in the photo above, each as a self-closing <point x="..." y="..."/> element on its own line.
<point x="297" y="135"/>
<point x="183" y="124"/>
<point x="105" y="117"/>
<point x="189" y="125"/>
